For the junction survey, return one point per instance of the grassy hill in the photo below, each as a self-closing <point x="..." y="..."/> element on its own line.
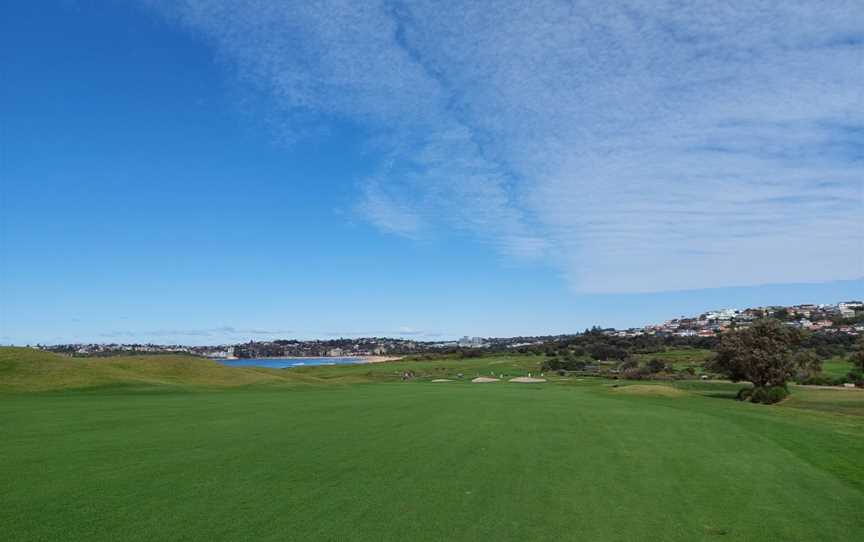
<point x="26" y="369"/>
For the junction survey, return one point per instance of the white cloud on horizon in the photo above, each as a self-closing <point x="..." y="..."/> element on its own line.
<point x="637" y="146"/>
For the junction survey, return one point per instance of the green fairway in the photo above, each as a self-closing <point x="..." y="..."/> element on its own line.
<point x="569" y="460"/>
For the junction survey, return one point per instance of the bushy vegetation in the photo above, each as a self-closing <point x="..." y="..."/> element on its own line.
<point x="765" y="395"/>
<point x="856" y="358"/>
<point x="641" y="357"/>
<point x="599" y="346"/>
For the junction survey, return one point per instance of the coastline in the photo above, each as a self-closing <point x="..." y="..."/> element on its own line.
<point x="361" y="359"/>
<point x="379" y="359"/>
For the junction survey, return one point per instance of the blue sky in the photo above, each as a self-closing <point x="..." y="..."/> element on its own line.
<point x="208" y="171"/>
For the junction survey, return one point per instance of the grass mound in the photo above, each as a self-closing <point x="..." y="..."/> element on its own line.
<point x="650" y="389"/>
<point x="26" y="369"/>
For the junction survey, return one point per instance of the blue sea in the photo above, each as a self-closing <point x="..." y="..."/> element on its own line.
<point x="274" y="363"/>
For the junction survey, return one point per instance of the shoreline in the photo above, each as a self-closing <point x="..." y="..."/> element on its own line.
<point x="361" y="359"/>
<point x="379" y="359"/>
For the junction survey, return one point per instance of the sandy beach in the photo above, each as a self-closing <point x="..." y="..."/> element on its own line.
<point x="379" y="359"/>
<point x="360" y="359"/>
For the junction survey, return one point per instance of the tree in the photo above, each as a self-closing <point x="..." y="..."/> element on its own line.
<point x="857" y="357"/>
<point x="628" y="364"/>
<point x="762" y="354"/>
<point x="809" y="365"/>
<point x="656" y="365"/>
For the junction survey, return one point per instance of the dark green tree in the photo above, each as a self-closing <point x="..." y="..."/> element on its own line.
<point x="656" y="365"/>
<point x="857" y="357"/>
<point x="809" y="365"/>
<point x="763" y="354"/>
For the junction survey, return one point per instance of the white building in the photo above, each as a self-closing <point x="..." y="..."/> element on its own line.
<point x="846" y="312"/>
<point x="471" y="342"/>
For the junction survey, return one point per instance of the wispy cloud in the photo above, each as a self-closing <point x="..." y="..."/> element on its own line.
<point x="402" y="332"/>
<point x="636" y="146"/>
<point x="213" y="332"/>
<point x="388" y="213"/>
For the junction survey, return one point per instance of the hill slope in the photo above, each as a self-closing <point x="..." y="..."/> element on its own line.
<point x="26" y="369"/>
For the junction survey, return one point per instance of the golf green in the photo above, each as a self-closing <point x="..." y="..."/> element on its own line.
<point x="422" y="461"/>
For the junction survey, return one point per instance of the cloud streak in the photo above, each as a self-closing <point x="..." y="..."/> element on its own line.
<point x="217" y="332"/>
<point x="635" y="146"/>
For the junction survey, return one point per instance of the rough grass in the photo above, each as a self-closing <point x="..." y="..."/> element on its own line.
<point x="24" y="369"/>
<point x="679" y="357"/>
<point x="650" y="389"/>
<point x="841" y="401"/>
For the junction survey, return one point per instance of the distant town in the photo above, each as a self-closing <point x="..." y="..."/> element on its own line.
<point x="845" y="317"/>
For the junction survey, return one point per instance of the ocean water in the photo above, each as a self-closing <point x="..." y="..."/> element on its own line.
<point x="286" y="363"/>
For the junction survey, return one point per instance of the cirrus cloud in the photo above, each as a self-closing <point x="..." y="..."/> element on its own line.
<point x="635" y="146"/>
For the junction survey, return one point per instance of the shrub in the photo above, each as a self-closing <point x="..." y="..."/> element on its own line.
<point x="629" y="364"/>
<point x="567" y="364"/>
<point x="857" y="357"/>
<point x="552" y="364"/>
<point x="656" y="365"/>
<point x="809" y="365"/>
<point x="633" y="373"/>
<point x="766" y="395"/>
<point x="769" y="395"/>
<point x="818" y="380"/>
<point x="744" y="394"/>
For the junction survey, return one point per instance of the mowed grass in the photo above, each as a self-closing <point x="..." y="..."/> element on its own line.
<point x="572" y="460"/>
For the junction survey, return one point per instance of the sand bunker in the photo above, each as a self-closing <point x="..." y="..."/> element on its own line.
<point x="442" y="380"/>
<point x="650" y="389"/>
<point x="527" y="379"/>
<point x="484" y="379"/>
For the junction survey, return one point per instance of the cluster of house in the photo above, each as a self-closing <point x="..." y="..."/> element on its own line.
<point x="367" y="346"/>
<point x="464" y="342"/>
<point x="844" y="317"/>
<point x="91" y="349"/>
<point x="364" y="346"/>
<point x="829" y="318"/>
